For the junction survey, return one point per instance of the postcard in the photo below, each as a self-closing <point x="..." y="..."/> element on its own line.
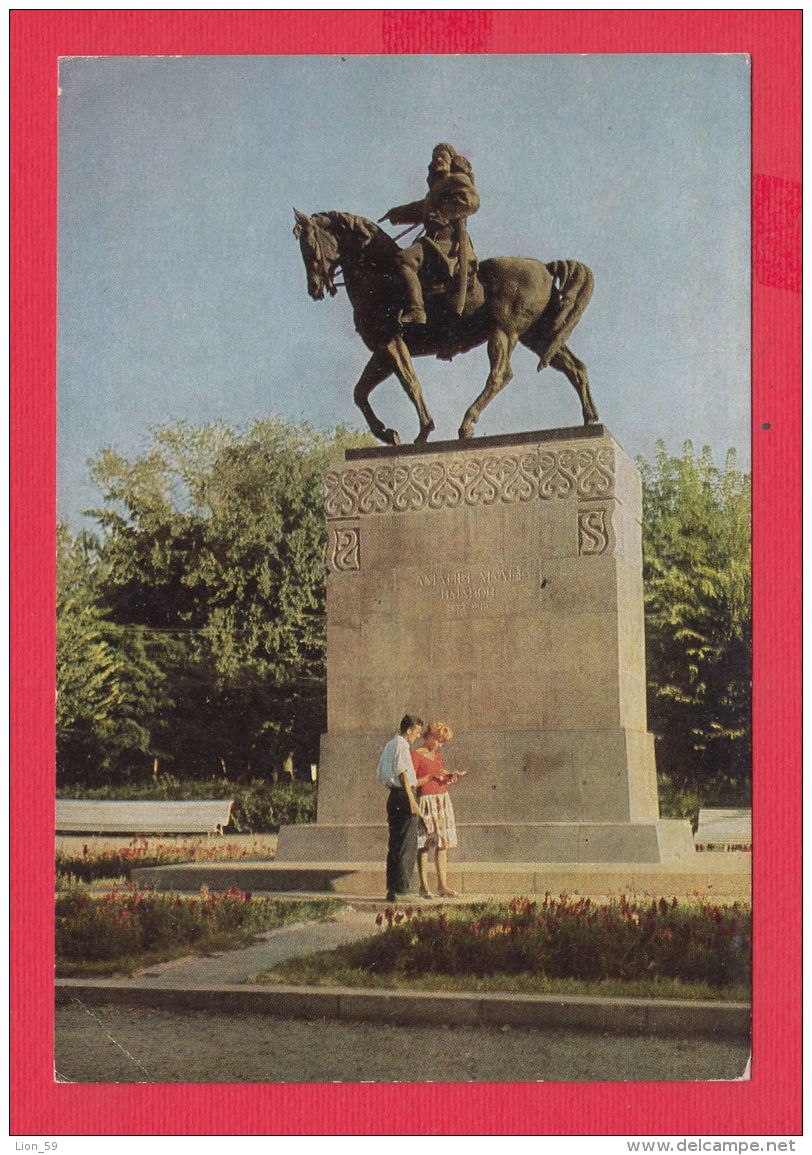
<point x="415" y="390"/>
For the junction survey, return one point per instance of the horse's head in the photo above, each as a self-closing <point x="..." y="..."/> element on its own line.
<point x="320" y="254"/>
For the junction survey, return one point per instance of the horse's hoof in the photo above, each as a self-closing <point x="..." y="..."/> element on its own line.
<point x="390" y="436"/>
<point x="424" y="434"/>
<point x="465" y="432"/>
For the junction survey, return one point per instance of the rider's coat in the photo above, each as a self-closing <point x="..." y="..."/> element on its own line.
<point x="443" y="212"/>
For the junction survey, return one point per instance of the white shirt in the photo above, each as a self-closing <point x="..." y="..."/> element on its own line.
<point x="395" y="758"/>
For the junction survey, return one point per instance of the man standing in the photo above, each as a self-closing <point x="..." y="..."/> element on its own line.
<point x="396" y="772"/>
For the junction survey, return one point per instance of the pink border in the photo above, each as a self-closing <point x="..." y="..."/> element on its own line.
<point x="770" y="1102"/>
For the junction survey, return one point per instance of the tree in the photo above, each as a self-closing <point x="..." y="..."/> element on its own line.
<point x="697" y="577"/>
<point x="107" y="688"/>
<point x="212" y="555"/>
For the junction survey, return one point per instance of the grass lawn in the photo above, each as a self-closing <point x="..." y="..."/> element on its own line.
<point x="334" y="968"/>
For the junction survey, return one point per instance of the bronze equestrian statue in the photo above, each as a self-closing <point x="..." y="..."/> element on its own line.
<point x="433" y="297"/>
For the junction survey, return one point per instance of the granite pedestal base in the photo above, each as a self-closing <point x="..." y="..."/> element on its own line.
<point x="495" y="585"/>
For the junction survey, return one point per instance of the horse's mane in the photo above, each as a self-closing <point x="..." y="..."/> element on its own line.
<point x="370" y="234"/>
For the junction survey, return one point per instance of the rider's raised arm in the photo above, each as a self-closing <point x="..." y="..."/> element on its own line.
<point x="411" y="214"/>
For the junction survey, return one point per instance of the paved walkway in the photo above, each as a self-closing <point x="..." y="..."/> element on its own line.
<point x="131" y="1044"/>
<point x="241" y="966"/>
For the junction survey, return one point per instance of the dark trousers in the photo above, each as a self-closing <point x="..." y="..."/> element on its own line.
<point x="402" y="856"/>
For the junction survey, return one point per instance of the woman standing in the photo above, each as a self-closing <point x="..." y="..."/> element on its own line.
<point x="437" y="828"/>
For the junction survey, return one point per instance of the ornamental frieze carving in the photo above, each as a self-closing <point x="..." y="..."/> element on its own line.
<point x="478" y="480"/>
<point x="343" y="548"/>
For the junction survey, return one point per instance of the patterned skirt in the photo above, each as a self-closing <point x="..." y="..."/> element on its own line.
<point x="437" y="826"/>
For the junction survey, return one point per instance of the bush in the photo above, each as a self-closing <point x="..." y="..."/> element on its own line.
<point x="678" y="803"/>
<point x="262" y="806"/>
<point x="125" y="923"/>
<point x="567" y="938"/>
<point x="259" y="806"/>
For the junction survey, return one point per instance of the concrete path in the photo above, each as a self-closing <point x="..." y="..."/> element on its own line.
<point x="132" y="1044"/>
<point x="241" y="966"/>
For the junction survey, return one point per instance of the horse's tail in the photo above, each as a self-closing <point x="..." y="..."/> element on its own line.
<point x="573" y="285"/>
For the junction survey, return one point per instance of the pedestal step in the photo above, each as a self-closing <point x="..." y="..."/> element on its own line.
<point x="583" y="842"/>
<point x="717" y="877"/>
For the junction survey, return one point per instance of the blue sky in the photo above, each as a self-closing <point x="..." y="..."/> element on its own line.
<point x="182" y="291"/>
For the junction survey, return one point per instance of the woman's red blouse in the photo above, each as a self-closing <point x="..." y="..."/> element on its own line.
<point x="424" y="766"/>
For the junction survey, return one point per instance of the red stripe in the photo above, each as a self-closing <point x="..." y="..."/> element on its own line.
<point x="777" y="232"/>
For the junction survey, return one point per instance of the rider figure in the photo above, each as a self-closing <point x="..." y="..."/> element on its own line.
<point x="444" y="250"/>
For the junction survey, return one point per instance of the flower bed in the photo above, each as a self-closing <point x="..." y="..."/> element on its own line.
<point x="119" y="862"/>
<point x="567" y="938"/>
<point x="132" y="926"/>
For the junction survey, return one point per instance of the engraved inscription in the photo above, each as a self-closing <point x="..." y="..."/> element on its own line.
<point x="409" y="487"/>
<point x="472" y="588"/>
<point x="343" y="548"/>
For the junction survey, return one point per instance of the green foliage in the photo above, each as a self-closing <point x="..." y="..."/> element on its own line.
<point x="334" y="968"/>
<point x="200" y="611"/>
<point x="259" y="806"/>
<point x="262" y="806"/>
<point x="107" y="687"/>
<point x="568" y="938"/>
<point x="696" y="550"/>
<point x="124" y="924"/>
<point x="676" y="803"/>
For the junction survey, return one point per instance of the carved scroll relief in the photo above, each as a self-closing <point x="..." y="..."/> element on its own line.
<point x="481" y="479"/>
<point x="594" y="531"/>
<point x="343" y="547"/>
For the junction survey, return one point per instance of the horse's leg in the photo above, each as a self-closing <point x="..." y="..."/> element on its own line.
<point x="572" y="367"/>
<point x="500" y="348"/>
<point x="403" y="366"/>
<point x="378" y="368"/>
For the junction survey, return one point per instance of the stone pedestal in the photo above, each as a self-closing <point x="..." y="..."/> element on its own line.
<point x="495" y="585"/>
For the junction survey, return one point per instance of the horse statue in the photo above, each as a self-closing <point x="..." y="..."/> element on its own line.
<point x="511" y="299"/>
